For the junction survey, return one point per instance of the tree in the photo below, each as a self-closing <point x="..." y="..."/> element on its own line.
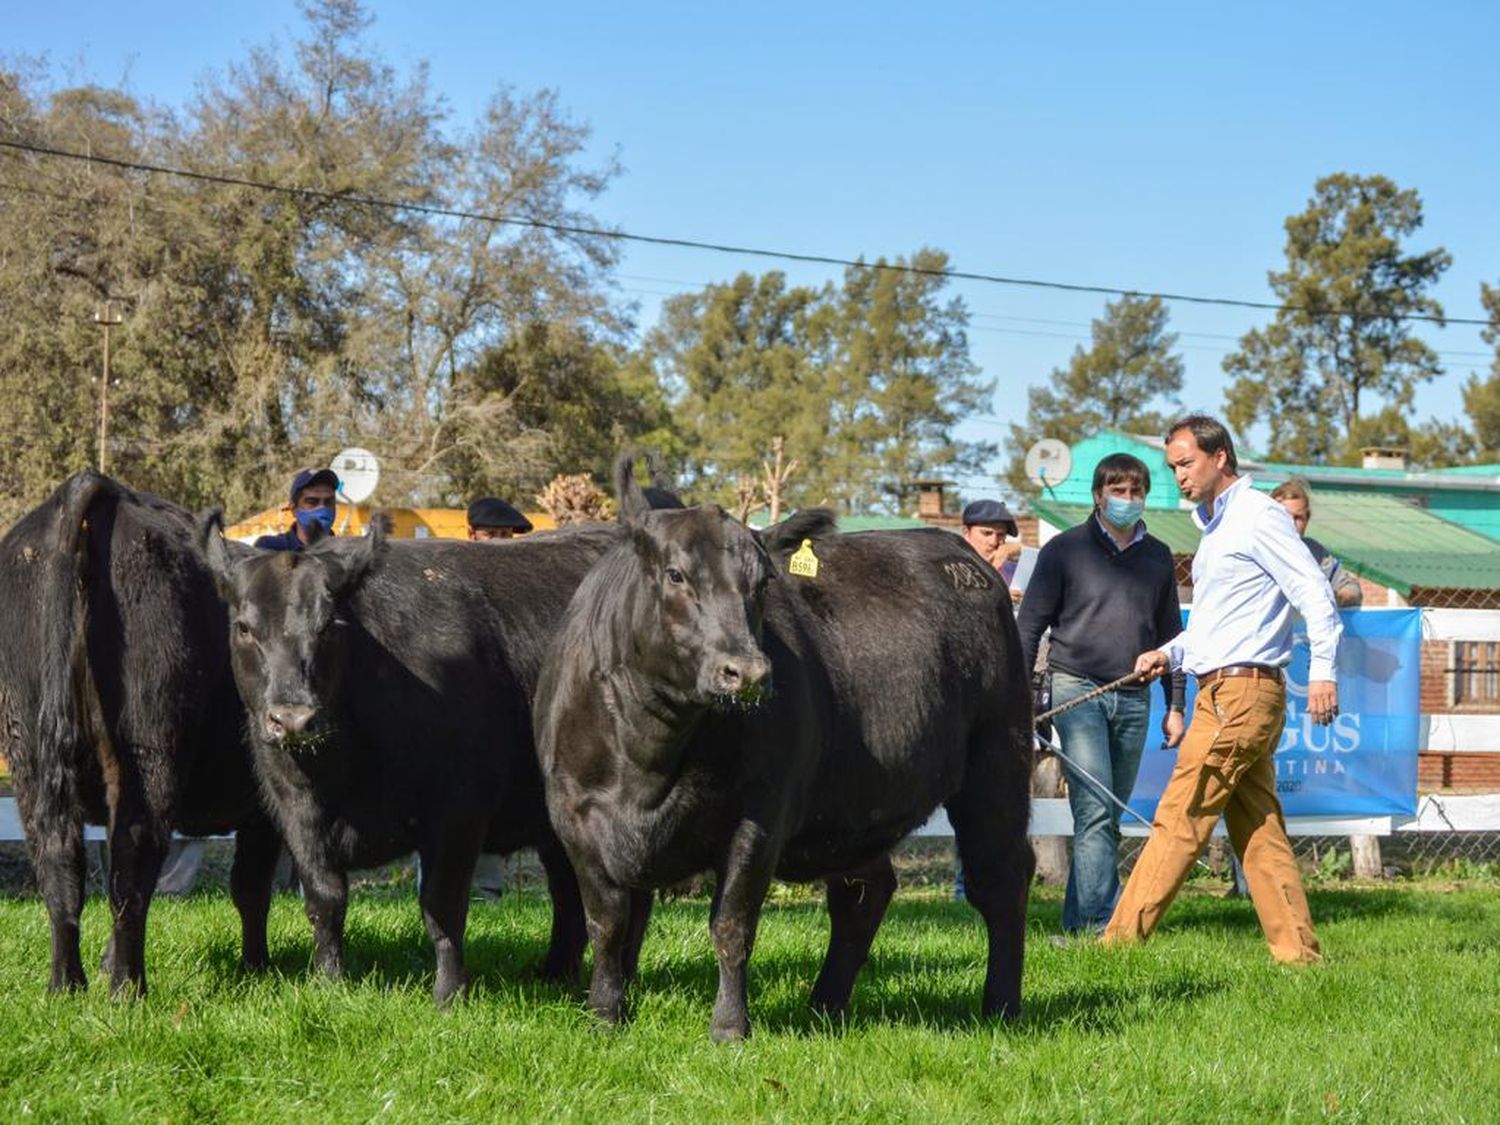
<point x="744" y="362"/>
<point x="864" y="382"/>
<point x="1482" y="396"/>
<point x="267" y="328"/>
<point x="1344" y="337"/>
<point x="1119" y="382"/>
<point x="902" y="379"/>
<point x="547" y="401"/>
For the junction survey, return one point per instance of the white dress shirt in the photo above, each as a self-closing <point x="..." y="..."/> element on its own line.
<point x="1251" y="571"/>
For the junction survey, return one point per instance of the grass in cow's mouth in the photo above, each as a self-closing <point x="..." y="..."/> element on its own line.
<point x="743" y="701"/>
<point x="1398" y="1025"/>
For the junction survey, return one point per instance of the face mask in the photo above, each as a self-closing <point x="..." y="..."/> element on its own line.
<point x="1123" y="513"/>
<point x="310" y="518"/>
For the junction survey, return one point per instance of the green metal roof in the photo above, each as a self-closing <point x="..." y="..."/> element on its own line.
<point x="1387" y="540"/>
<point x="1468" y="495"/>
<point x="1491" y="470"/>
<point x="878" y="523"/>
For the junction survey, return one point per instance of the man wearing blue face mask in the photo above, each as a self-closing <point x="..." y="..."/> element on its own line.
<point x="1099" y="587"/>
<point x="313" y="499"/>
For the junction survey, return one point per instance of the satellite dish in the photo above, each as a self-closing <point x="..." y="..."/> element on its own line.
<point x="1048" y="463"/>
<point x="359" y="473"/>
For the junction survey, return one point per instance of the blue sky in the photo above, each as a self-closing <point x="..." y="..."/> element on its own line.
<point x="1154" y="147"/>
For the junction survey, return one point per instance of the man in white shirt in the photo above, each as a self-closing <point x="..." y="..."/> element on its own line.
<point x="1250" y="574"/>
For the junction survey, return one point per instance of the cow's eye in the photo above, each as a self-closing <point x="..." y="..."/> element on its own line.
<point x="241" y="630"/>
<point x="674" y="576"/>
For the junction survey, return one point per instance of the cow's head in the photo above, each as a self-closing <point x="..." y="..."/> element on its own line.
<point x="285" y="628"/>
<point x="697" y="613"/>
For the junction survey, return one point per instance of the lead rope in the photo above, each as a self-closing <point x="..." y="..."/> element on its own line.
<point x="1074" y="767"/>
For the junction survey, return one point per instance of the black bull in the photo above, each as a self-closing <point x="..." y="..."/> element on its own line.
<point x="117" y="707"/>
<point x="896" y="686"/>
<point x="388" y="686"/>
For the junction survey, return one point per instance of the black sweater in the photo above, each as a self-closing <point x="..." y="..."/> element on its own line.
<point x="1105" y="606"/>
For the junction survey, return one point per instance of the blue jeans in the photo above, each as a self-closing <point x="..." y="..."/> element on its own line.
<point x="1105" y="737"/>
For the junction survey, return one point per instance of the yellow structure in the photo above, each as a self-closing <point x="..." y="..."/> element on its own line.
<point x="354" y="519"/>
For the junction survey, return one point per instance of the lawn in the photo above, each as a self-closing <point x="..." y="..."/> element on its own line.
<point x="1398" y="1025"/>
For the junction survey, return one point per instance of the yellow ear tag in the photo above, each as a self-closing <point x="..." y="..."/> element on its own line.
<point x="804" y="564"/>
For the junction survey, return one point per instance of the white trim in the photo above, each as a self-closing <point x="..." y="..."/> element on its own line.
<point x="1051" y="816"/>
<point x="1477" y="813"/>
<point x="1472" y="733"/>
<point x="10" y="826"/>
<point x="1461" y="624"/>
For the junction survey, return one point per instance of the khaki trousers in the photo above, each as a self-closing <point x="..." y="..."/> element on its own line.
<point x="1224" y="768"/>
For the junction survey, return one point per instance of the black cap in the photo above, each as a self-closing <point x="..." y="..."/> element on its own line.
<point x="990" y="512"/>
<point x="494" y="512"/>
<point x="309" y="477"/>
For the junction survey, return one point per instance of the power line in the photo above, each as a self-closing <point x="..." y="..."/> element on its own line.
<point x="694" y="244"/>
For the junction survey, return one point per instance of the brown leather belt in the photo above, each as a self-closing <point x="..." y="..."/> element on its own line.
<point x="1249" y="671"/>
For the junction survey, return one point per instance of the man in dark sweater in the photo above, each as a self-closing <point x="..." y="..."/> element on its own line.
<point x="1101" y="587"/>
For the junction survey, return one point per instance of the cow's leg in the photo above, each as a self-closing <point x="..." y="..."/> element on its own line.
<point x="257" y="847"/>
<point x="857" y="902"/>
<point x="138" y="846"/>
<point x="57" y="855"/>
<point x="325" y="900"/>
<point x="743" y="882"/>
<point x="607" y="908"/>
<point x="989" y="818"/>
<point x="569" y="928"/>
<point x="635" y="932"/>
<point x="447" y="871"/>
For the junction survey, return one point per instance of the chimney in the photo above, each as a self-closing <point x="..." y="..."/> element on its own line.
<point x="1383" y="457"/>
<point x="930" y="502"/>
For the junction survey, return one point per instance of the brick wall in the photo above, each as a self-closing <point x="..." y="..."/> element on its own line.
<point x="1436" y="660"/>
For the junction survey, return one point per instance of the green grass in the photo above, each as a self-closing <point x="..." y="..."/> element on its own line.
<point x="1398" y="1025"/>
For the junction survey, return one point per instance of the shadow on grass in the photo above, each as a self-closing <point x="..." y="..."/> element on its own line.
<point x="1237" y="915"/>
<point x="395" y="951"/>
<point x="934" y="988"/>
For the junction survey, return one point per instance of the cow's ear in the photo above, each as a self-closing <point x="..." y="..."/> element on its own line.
<point x="810" y="523"/>
<point x="628" y="492"/>
<point x="357" y="561"/>
<point x="210" y="542"/>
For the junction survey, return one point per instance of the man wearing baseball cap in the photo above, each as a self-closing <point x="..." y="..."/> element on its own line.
<point x="312" y="505"/>
<point x="492" y="518"/>
<point x="987" y="523"/>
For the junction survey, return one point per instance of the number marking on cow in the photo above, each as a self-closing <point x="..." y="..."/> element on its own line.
<point x="967" y="576"/>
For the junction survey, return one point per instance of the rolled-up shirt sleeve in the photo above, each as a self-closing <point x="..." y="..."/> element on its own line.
<point x="1278" y="548"/>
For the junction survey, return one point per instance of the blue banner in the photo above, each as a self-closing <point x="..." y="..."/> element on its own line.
<point x="1365" y="762"/>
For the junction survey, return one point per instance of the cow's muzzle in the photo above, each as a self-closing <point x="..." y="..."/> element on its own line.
<point x="283" y="719"/>
<point x="740" y="679"/>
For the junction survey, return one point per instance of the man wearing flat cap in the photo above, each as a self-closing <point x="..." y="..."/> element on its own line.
<point x="312" y="506"/>
<point x="987" y="524"/>
<point x="492" y="518"/>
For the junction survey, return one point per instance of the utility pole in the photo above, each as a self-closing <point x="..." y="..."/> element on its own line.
<point x="106" y="318"/>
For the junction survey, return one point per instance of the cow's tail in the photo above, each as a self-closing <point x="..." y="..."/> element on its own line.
<point x="63" y="663"/>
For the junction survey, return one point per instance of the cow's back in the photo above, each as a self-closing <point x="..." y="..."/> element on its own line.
<point x="445" y="646"/>
<point x="887" y="663"/>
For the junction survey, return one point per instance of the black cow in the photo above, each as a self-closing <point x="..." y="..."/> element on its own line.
<point x="117" y="707"/>
<point x="897" y="687"/>
<point x="389" y="689"/>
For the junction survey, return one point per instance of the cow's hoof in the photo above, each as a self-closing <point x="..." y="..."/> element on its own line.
<point x="128" y="990"/>
<point x="63" y="985"/>
<point x="1008" y="1012"/>
<point x="730" y="1032"/>
<point x="833" y="1007"/>
<point x="445" y="994"/>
